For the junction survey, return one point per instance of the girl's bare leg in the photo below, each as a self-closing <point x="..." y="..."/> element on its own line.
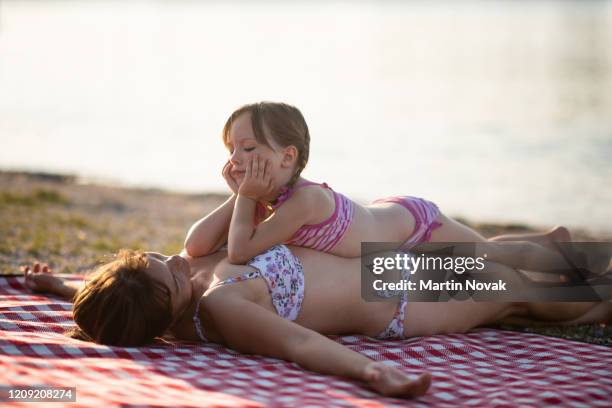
<point x="599" y="260"/>
<point x="507" y="253"/>
<point x="546" y="239"/>
<point x="454" y="231"/>
<point x="533" y="252"/>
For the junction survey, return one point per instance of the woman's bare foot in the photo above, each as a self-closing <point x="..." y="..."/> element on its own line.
<point x="392" y="382"/>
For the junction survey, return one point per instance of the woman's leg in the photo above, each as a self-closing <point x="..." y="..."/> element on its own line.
<point x="561" y="313"/>
<point x="455" y="316"/>
<point x="424" y="319"/>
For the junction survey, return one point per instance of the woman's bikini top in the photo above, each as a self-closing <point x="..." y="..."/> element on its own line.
<point x="284" y="275"/>
<point x="325" y="235"/>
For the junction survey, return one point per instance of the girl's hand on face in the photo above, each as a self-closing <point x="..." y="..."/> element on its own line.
<point x="257" y="183"/>
<point x="229" y="179"/>
<point x="40" y="278"/>
<point x="393" y="382"/>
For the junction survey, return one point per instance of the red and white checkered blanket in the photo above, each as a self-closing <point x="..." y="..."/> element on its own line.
<point x="485" y="367"/>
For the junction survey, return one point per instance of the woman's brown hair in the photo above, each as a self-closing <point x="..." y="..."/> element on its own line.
<point x="284" y="124"/>
<point x="121" y="305"/>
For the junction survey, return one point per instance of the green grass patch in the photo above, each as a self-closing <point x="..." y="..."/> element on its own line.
<point x="104" y="245"/>
<point x="37" y="197"/>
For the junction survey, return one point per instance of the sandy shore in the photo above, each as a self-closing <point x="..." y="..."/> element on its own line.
<point x="73" y="226"/>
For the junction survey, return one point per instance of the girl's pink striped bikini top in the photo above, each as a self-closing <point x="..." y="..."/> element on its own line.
<point x="325" y="235"/>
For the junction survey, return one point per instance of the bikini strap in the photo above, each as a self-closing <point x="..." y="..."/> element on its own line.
<point x="235" y="279"/>
<point x="196" y="315"/>
<point x="197" y="322"/>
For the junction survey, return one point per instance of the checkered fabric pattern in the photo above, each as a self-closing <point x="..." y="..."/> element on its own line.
<point x="482" y="368"/>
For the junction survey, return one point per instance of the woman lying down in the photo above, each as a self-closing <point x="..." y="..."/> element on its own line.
<point x="281" y="304"/>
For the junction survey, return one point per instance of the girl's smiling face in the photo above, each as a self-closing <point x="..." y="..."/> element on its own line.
<point x="243" y="146"/>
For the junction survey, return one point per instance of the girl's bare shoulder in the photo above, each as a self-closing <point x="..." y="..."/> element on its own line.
<point x="310" y="195"/>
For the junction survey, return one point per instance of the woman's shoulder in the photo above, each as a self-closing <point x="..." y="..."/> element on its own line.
<point x="232" y="282"/>
<point x="225" y="270"/>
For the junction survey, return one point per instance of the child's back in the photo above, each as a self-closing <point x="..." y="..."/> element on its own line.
<point x="339" y="225"/>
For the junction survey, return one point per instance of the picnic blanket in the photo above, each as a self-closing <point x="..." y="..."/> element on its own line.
<point x="485" y="367"/>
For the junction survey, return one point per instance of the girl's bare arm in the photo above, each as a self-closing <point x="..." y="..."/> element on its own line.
<point x="208" y="234"/>
<point x="246" y="240"/>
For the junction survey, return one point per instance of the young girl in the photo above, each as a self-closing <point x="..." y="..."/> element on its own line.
<point x="272" y="204"/>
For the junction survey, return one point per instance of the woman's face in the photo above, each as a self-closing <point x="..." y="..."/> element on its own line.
<point x="173" y="272"/>
<point x="243" y="147"/>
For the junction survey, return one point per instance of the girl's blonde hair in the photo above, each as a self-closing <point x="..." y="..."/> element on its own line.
<point x="283" y="123"/>
<point x="122" y="305"/>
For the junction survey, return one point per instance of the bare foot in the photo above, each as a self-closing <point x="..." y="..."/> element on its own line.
<point x="595" y="259"/>
<point x="557" y="234"/>
<point x="556" y="238"/>
<point x="392" y="382"/>
<point x="552" y="237"/>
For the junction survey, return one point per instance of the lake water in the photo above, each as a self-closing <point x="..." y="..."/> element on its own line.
<point x="495" y="110"/>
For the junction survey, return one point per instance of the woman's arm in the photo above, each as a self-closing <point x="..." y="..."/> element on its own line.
<point x="209" y="233"/>
<point x="249" y="328"/>
<point x="41" y="279"/>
